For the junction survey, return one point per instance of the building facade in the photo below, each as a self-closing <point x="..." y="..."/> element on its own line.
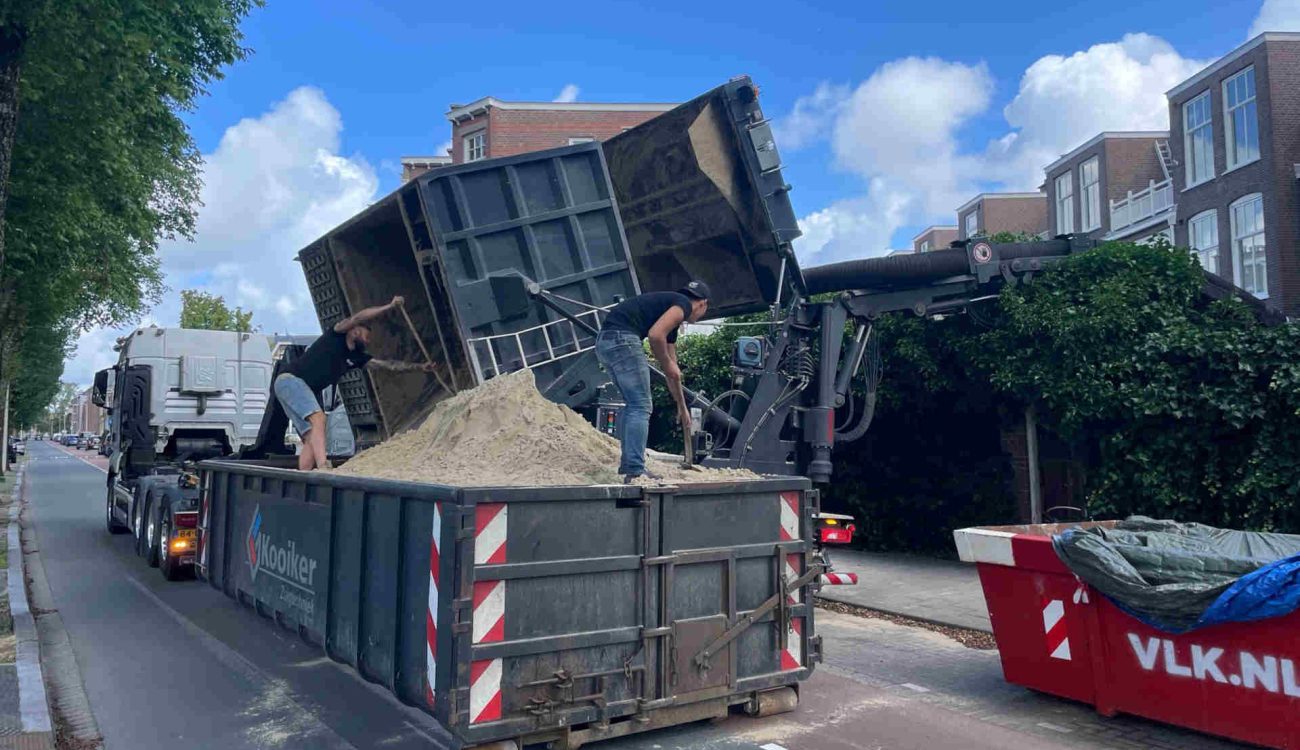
<point x="414" y="166"/>
<point x="990" y="213"/>
<point x="86" y="417"/>
<point x="1236" y="142"/>
<point x="490" y="127"/>
<point x="933" y="238"/>
<point x="1114" y="186"/>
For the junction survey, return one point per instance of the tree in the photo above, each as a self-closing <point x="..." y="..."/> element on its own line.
<point x="209" y="312"/>
<point x="103" y="166"/>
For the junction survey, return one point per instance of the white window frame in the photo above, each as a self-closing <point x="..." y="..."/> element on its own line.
<point x="973" y="223"/>
<point x="1250" y="119"/>
<point x="575" y="140"/>
<point x="1064" y="185"/>
<point x="475" y="145"/>
<point x="1259" y="244"/>
<point x="925" y="246"/>
<point x="1203" y="239"/>
<point x="1190" y="134"/>
<point x="1090" y="194"/>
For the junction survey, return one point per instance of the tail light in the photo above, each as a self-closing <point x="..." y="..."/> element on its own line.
<point x="187" y="520"/>
<point x="834" y="528"/>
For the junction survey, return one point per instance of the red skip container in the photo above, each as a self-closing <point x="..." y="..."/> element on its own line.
<point x="1057" y="635"/>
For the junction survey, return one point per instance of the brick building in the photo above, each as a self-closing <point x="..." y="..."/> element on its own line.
<point x="414" y="166"/>
<point x="491" y="128"/>
<point x="933" y="238"/>
<point x="86" y="417"/>
<point x="1236" y="141"/>
<point x="1114" y="186"/>
<point x="990" y="213"/>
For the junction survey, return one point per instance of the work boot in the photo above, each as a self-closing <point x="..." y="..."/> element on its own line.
<point x="630" y="478"/>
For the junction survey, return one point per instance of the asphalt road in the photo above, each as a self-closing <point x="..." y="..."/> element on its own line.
<point x="178" y="664"/>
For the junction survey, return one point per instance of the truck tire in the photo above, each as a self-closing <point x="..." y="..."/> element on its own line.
<point x="167" y="564"/>
<point x="113" y="526"/>
<point x="150" y="523"/>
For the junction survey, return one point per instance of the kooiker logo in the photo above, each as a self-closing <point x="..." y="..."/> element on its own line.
<point x="282" y="562"/>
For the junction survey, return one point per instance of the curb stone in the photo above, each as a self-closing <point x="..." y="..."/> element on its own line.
<point x="33" y="708"/>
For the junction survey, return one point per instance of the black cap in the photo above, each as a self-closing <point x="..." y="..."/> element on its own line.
<point x="697" y="289"/>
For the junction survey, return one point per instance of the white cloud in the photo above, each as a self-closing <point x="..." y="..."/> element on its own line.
<point x="273" y="184"/>
<point x="899" y="131"/>
<point x="568" y="94"/>
<point x="806" y="123"/>
<point x="1064" y="101"/>
<point x="1277" y="15"/>
<point x="443" y="149"/>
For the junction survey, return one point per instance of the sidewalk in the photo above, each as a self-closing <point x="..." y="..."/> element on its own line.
<point x="946" y="592"/>
<point x="24" y="714"/>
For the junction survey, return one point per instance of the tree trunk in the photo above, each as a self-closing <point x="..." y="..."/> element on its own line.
<point x="13" y="38"/>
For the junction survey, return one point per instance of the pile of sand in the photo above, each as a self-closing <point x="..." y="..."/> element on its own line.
<point x="505" y="433"/>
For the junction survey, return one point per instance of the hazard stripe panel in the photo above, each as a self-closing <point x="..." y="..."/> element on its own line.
<point x="489" y="612"/>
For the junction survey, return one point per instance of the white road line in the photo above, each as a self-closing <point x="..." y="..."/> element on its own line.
<point x="84" y="461"/>
<point x="1055" y="727"/>
<point x="771" y="746"/>
<point x="916" y="688"/>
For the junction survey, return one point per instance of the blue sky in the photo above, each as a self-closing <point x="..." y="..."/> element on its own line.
<point x="889" y="114"/>
<point x="391" y="68"/>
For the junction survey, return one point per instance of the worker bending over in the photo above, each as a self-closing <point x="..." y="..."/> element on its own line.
<point x="327" y="359"/>
<point x="656" y="316"/>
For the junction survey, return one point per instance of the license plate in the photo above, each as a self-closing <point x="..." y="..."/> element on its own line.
<point x="185" y="534"/>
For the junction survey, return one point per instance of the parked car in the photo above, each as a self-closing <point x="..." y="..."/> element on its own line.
<point x="71" y="440"/>
<point x="91" y="443"/>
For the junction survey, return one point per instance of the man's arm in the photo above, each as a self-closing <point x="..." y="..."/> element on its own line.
<point x="666" y="353"/>
<point x="366" y="315"/>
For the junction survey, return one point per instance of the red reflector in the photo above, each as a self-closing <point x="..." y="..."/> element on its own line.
<point x="833" y="535"/>
<point x="187" y="520"/>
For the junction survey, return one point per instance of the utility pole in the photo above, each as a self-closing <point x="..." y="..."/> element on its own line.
<point x="4" y="457"/>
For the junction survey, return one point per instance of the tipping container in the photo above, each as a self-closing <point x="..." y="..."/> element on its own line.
<point x="1058" y="635"/>
<point x="529" y="614"/>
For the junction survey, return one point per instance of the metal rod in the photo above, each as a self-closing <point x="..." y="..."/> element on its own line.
<point x="406" y="316"/>
<point x="1031" y="441"/>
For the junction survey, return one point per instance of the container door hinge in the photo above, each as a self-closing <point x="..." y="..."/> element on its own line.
<point x="815" y="650"/>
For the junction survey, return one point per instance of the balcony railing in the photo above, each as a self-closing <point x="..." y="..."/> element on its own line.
<point x="1144" y="204"/>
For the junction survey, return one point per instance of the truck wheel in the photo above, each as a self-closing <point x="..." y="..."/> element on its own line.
<point x="151" y="534"/>
<point x="113" y="526"/>
<point x="167" y="565"/>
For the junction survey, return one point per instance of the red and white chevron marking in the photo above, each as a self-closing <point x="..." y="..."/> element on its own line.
<point x="431" y="615"/>
<point x="792" y="656"/>
<point x="838" y="579"/>
<point x="1058" y="635"/>
<point x="489" y="618"/>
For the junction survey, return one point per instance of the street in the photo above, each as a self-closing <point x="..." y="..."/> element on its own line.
<point x="178" y="663"/>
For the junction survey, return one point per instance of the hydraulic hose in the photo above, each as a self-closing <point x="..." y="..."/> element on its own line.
<point x="917" y="268"/>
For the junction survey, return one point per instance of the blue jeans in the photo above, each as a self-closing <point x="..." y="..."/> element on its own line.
<point x="624" y="357"/>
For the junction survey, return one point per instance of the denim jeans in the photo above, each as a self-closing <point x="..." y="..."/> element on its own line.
<point x="624" y="357"/>
<point x="297" y="399"/>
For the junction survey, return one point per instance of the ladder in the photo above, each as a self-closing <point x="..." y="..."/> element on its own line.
<point x="1167" y="162"/>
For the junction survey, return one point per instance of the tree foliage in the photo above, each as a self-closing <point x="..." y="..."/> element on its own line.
<point x="104" y="168"/>
<point x="206" y="311"/>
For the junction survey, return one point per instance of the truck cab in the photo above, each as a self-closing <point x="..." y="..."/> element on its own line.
<point x="175" y="397"/>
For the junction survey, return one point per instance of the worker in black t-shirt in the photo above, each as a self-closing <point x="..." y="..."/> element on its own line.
<point x="656" y="316"/>
<point x="321" y="365"/>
